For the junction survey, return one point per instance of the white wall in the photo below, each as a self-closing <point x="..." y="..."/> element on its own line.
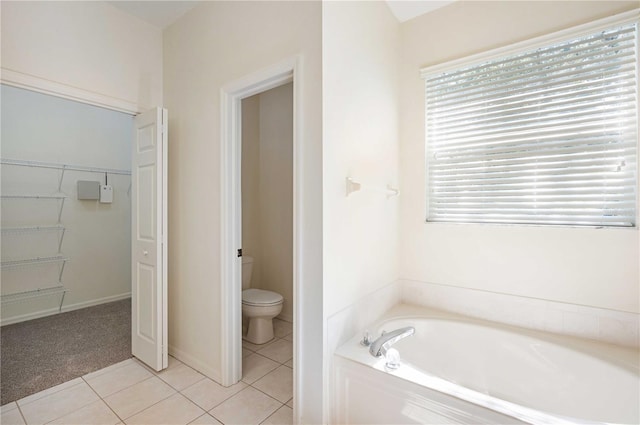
<point x="86" y="49"/>
<point x="360" y="132"/>
<point x="251" y="236"/>
<point x="360" y="127"/>
<point x="592" y="267"/>
<point x="212" y="45"/>
<point x="97" y="241"/>
<point x="267" y="192"/>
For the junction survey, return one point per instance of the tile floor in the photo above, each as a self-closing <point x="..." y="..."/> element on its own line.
<point x="130" y="393"/>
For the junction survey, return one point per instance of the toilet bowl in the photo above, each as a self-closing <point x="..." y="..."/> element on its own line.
<point x="259" y="306"/>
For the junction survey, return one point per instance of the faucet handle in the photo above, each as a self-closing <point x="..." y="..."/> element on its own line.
<point x="366" y="338"/>
<point x="392" y="358"/>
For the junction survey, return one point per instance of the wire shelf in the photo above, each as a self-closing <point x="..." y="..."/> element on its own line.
<point x="55" y="166"/>
<point x="29" y="229"/>
<point x="37" y="260"/>
<point x="20" y="296"/>
<point x="33" y="197"/>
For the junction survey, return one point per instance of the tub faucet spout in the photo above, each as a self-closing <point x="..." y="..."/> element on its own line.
<point x="380" y="346"/>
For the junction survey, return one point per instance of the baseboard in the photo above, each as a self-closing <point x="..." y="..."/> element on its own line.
<point x="66" y="308"/>
<point x="195" y="363"/>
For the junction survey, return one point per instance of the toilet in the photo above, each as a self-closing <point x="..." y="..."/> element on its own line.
<point x="259" y="306"/>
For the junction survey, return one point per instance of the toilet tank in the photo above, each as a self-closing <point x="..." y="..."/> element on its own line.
<point x="247" y="269"/>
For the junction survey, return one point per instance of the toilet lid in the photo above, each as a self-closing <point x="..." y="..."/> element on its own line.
<point x="260" y="297"/>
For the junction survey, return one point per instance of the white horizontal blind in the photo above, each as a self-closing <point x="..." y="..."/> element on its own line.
<point x="548" y="136"/>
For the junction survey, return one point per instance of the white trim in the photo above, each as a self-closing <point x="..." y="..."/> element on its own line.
<point x="53" y="88"/>
<point x="65" y="309"/>
<point x="231" y="96"/>
<point x="165" y="237"/>
<point x="300" y="322"/>
<point x="533" y="43"/>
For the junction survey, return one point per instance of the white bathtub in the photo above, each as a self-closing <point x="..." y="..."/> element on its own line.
<point x="460" y="370"/>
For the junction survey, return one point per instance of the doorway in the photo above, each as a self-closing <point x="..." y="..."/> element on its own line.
<point x="231" y="220"/>
<point x="66" y="248"/>
<point x="267" y="192"/>
<point x="267" y="242"/>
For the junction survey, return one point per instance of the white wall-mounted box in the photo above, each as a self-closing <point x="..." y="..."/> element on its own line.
<point x="106" y="194"/>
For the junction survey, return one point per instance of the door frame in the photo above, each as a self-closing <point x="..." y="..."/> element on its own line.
<point x="231" y="96"/>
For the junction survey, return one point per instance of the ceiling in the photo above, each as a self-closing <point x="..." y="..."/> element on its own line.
<point x="158" y="13"/>
<point x="164" y="13"/>
<point x="404" y="10"/>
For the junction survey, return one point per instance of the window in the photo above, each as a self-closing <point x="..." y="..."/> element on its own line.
<point x="545" y="136"/>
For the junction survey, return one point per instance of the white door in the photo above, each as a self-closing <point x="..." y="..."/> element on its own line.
<point x="149" y="239"/>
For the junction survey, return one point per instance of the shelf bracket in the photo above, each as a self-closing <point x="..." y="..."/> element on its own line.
<point x="61" y="270"/>
<point x="62" y="301"/>
<point x="60" y="211"/>
<point x="60" y="241"/>
<point x="60" y="180"/>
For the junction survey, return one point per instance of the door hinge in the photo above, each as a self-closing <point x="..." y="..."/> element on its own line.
<point x="240" y="252"/>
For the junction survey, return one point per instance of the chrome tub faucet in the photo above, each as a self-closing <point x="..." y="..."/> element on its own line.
<point x="380" y="346"/>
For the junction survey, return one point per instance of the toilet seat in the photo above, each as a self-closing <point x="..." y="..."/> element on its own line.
<point x="261" y="297"/>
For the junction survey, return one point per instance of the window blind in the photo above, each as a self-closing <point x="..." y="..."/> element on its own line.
<point x="546" y="136"/>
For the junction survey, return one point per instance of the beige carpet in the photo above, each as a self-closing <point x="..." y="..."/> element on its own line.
<point x="41" y="353"/>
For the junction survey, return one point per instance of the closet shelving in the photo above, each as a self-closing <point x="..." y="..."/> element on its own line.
<point x="63" y="167"/>
<point x="21" y="296"/>
<point x="56" y="288"/>
<point x="60" y="198"/>
<point x="36" y="229"/>
<point x="36" y="260"/>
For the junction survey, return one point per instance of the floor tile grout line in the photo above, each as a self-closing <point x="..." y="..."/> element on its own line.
<point x="158" y="375"/>
<point x="107" y="404"/>
<point x="47" y="389"/>
<point x="248" y="385"/>
<point x="270" y="396"/>
<point x="207" y="410"/>
<point x="24" y="419"/>
<point x="150" y="370"/>
<point x="265" y="375"/>
<point x="214" y="417"/>
<point x="274" y="413"/>
<point x="149" y="407"/>
<point x="68" y="413"/>
<point x="268" y="343"/>
<point x="124" y="388"/>
<point x="56" y="392"/>
<point x="203" y="377"/>
<point x="204" y="414"/>
<point x="157" y="402"/>
<point x="262" y="376"/>
<point x="176" y="390"/>
<point x="273" y="360"/>
<point x="107" y="367"/>
<point x="180" y="391"/>
<point x="251" y="385"/>
<point x="263" y="356"/>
